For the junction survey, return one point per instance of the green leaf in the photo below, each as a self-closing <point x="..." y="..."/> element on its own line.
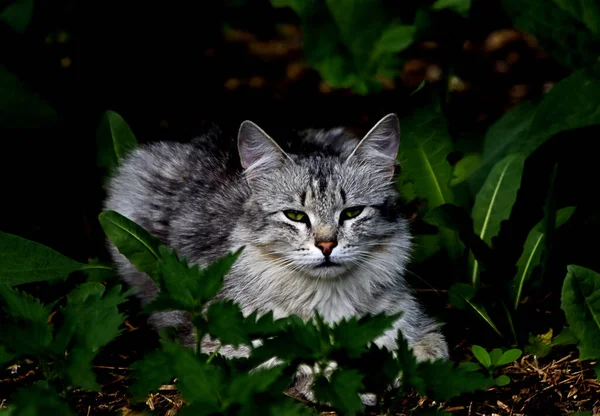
<point x="409" y="365"/>
<point x="459" y="6"/>
<point x="470" y="366"/>
<point x="344" y="57"/>
<point x="558" y="29"/>
<point x="28" y="332"/>
<point x="532" y="253"/>
<point x="38" y="400"/>
<point x="581" y="303"/>
<point x="509" y="356"/>
<point x="502" y="380"/>
<point x="539" y="345"/>
<point x="98" y="271"/>
<point x="114" y="140"/>
<point x="495" y="355"/>
<point x="494" y="202"/>
<point x="18" y="15"/>
<point x="461" y="295"/>
<point x="264" y="326"/>
<point x="226" y="322"/>
<point x="244" y="386"/>
<point x="151" y="372"/>
<point x="465" y="167"/>
<point x="24" y="261"/>
<point x="566" y="337"/>
<point x="444" y="381"/>
<point x="5" y="355"/>
<point x="21" y="107"/>
<point x="135" y="243"/>
<point x="482" y="356"/>
<point x="354" y="334"/>
<point x="341" y="391"/>
<point x="585" y="11"/>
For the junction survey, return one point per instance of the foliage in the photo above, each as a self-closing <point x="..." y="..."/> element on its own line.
<point x="494" y="359"/>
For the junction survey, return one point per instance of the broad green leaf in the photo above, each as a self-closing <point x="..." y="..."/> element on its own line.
<point x="465" y="167"/>
<point x="444" y="381"/>
<point x="461" y="7"/>
<point x="345" y="57"/>
<point x="39" y="399"/>
<point x="586" y="11"/>
<point x="18" y="15"/>
<point x="566" y="337"/>
<point x="495" y="355"/>
<point x="461" y="296"/>
<point x="470" y="366"/>
<point x="502" y="380"/>
<point x="354" y="334"/>
<point x="509" y="356"/>
<point x="581" y="303"/>
<point x="494" y="202"/>
<point x="482" y="356"/>
<point x="558" y="30"/>
<point x="25" y="261"/>
<point x="114" y="140"/>
<point x="28" y="332"/>
<point x="135" y="243"/>
<point x="226" y="322"/>
<point x="539" y="345"/>
<point x="98" y="271"/>
<point x="341" y="391"/>
<point x="532" y="253"/>
<point x="21" y="107"/>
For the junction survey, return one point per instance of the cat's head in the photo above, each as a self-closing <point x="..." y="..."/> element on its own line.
<point x="324" y="213"/>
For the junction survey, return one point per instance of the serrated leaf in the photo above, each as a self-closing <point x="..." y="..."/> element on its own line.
<point x="135" y="243"/>
<point x="408" y="363"/>
<point x="264" y="326"/>
<point x="495" y="355"/>
<point x="443" y="381"/>
<point x="494" y="202"/>
<point x="459" y="6"/>
<point x="354" y="334"/>
<point x="532" y="253"/>
<point x="566" y="337"/>
<point x="482" y="356"/>
<point x="25" y="261"/>
<point x="226" y="322"/>
<point x="502" y="380"/>
<point x="509" y="356"/>
<point x="341" y="391"/>
<point x="539" y="345"/>
<point x="244" y="386"/>
<point x="38" y="400"/>
<point x="150" y="373"/>
<point x="461" y="295"/>
<point x="581" y="303"/>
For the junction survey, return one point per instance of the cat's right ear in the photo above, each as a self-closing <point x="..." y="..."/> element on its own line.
<point x="258" y="152"/>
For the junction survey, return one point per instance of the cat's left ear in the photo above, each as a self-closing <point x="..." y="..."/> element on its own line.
<point x="258" y="151"/>
<point x="380" y="144"/>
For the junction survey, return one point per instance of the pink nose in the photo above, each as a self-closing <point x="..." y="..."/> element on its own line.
<point x="326" y="246"/>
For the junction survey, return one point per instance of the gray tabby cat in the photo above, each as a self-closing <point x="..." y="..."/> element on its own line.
<point x="320" y="223"/>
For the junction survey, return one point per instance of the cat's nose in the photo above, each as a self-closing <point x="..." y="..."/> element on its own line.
<point x="326" y="246"/>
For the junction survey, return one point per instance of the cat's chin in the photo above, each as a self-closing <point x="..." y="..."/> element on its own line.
<point x="327" y="270"/>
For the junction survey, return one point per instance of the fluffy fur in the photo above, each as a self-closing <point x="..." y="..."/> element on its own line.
<point x="215" y="194"/>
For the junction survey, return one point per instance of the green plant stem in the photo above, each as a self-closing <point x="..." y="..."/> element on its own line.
<point x="215" y="352"/>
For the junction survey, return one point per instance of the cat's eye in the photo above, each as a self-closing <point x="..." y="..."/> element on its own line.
<point x="296" y="215"/>
<point x="351" y="213"/>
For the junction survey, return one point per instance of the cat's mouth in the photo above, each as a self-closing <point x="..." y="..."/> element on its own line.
<point x="327" y="263"/>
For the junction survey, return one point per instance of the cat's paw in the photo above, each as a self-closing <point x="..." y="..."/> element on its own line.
<point x="431" y="347"/>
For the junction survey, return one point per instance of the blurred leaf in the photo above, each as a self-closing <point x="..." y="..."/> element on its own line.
<point x="470" y="366"/>
<point x="25" y="261"/>
<point x="581" y="303"/>
<point x="20" y="107"/>
<point x="532" y="253"/>
<point x="226" y="322"/>
<point x="150" y="373"/>
<point x="5" y="355"/>
<point x="459" y="6"/>
<point x="444" y="381"/>
<point x="345" y="57"/>
<point x="464" y="167"/>
<point x="509" y="356"/>
<point x="353" y="334"/>
<point x="114" y="139"/>
<point x="566" y="337"/>
<point x="38" y="400"/>
<point x="586" y="11"/>
<point x="461" y="295"/>
<point x="558" y="30"/>
<point x="18" y="15"/>
<point x="539" y="345"/>
<point x="482" y="356"/>
<point x="494" y="202"/>
<point x="341" y="391"/>
<point x="99" y="271"/>
<point x="245" y="385"/>
<point x="135" y="243"/>
<point x="502" y="380"/>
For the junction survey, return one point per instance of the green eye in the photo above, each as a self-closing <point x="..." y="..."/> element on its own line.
<point x="351" y="212"/>
<point x="295" y="215"/>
